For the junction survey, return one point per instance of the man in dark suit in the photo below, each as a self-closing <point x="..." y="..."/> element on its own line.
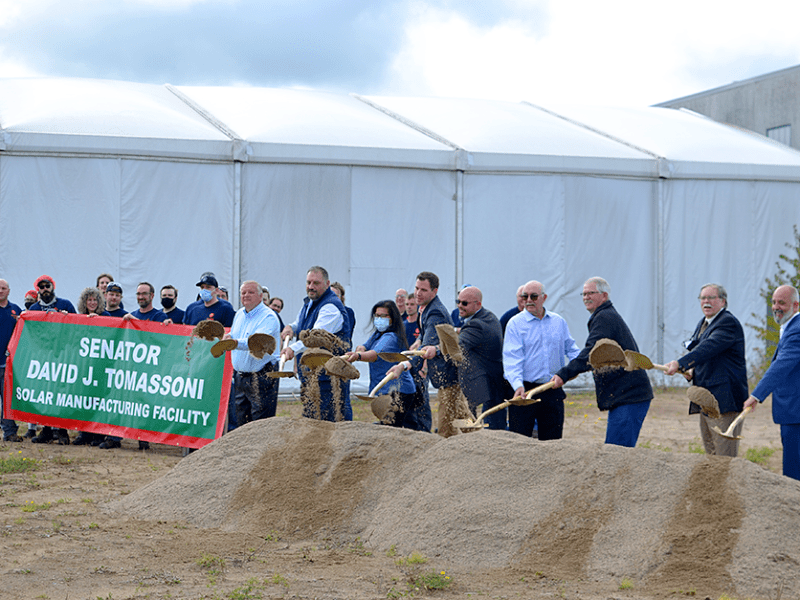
<point x="716" y="361"/>
<point x="443" y="373"/>
<point x="481" y="371"/>
<point x="782" y="379"/>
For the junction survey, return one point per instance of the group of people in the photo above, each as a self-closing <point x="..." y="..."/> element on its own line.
<point x="528" y="347"/>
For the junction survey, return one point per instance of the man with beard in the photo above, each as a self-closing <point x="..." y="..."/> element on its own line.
<point x="48" y="302"/>
<point x="782" y="379"/>
<point x="321" y="310"/>
<point x="114" y="300"/>
<point x="716" y="362"/>
<point x="145" y="292"/>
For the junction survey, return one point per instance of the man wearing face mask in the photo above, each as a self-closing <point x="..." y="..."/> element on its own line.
<point x="48" y="302"/>
<point x="209" y="306"/>
<point x="169" y="296"/>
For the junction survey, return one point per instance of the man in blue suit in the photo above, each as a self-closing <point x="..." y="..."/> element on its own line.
<point x="782" y="379"/>
<point x="716" y="361"/>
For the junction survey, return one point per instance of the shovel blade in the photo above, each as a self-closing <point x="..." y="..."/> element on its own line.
<point x="725" y="434"/>
<point x="468" y="425"/>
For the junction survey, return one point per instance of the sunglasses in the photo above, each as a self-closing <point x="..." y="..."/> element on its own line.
<point x="464" y="302"/>
<point x="533" y="297"/>
<point x="44" y="285"/>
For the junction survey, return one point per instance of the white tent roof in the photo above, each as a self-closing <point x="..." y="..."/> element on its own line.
<point x="99" y="117"/>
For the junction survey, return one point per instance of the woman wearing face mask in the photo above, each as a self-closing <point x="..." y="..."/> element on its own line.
<point x="389" y="336"/>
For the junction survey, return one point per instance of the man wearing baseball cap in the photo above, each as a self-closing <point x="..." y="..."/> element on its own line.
<point x="209" y="306"/>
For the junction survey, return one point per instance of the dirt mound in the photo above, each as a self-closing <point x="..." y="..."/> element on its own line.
<point x="497" y="500"/>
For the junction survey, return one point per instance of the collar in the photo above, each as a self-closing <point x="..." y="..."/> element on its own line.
<point x="531" y="317"/>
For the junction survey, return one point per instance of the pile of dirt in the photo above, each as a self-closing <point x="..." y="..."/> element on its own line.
<point x="497" y="500"/>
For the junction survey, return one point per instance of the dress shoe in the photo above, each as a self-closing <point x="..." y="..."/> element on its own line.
<point x="144" y="445"/>
<point x="30" y="433"/>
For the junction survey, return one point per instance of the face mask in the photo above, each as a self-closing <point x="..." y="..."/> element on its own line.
<point x="382" y="323"/>
<point x="168" y="302"/>
<point x="206" y="295"/>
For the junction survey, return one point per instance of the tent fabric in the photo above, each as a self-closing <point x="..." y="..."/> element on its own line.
<point x="161" y="183"/>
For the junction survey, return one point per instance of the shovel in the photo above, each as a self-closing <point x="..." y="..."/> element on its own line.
<point x="470" y="425"/>
<point x="728" y="433"/>
<point x="381" y="383"/>
<point x="704" y="399"/>
<point x="223" y="346"/>
<point x="280" y="372"/>
<point x="607" y="354"/>
<point x="398" y="356"/>
<point x="313" y="358"/>
<point x="260" y="344"/>
<point x="638" y="361"/>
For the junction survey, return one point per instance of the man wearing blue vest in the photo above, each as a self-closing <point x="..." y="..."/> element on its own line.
<point x="321" y="310"/>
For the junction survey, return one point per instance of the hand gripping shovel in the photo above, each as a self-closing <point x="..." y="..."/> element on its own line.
<point x="398" y="356"/>
<point x="728" y="433"/>
<point x="638" y="361"/>
<point x="470" y="425"/>
<point x="280" y="372"/>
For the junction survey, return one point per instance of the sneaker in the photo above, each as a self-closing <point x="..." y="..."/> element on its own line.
<point x="12" y="438"/>
<point x="45" y="435"/>
<point x="144" y="445"/>
<point x="110" y="444"/>
<point x="83" y="439"/>
<point x="30" y="433"/>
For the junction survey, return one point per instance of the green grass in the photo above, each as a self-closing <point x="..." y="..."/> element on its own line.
<point x="15" y="463"/>
<point x="696" y="448"/>
<point x="759" y="455"/>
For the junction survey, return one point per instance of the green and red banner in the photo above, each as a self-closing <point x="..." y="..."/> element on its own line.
<point x="135" y="379"/>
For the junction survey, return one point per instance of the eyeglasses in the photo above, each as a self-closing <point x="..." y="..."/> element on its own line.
<point x="44" y="285"/>
<point x="584" y="294"/>
<point x="709" y="298"/>
<point x="533" y="297"/>
<point x="464" y="302"/>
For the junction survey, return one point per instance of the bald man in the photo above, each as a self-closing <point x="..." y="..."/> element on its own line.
<point x="481" y="372"/>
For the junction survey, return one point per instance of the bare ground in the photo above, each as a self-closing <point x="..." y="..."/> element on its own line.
<point x="62" y="540"/>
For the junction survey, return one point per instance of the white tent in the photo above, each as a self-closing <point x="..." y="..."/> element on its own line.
<point x="161" y="183"/>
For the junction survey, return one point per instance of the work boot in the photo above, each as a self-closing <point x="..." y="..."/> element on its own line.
<point x="45" y="435"/>
<point x="84" y="439"/>
<point x="30" y="433"/>
<point x="110" y="444"/>
<point x="12" y="438"/>
<point x="62" y="437"/>
<point x="98" y="439"/>
<point x="144" y="445"/>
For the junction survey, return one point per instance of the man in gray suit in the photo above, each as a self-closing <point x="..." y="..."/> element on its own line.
<point x="481" y="371"/>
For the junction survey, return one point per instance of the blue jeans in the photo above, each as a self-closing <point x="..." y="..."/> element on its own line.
<point x="625" y="423"/>
<point x="9" y="425"/>
<point x="790" y="438"/>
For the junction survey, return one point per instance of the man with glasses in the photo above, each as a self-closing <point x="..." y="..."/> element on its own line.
<point x="537" y="343"/>
<point x="48" y="302"/>
<point x="716" y="361"/>
<point x="481" y="371"/>
<point x="625" y="394"/>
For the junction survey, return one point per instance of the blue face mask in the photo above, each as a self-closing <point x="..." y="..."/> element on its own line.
<point x="382" y="323"/>
<point x="205" y="295"/>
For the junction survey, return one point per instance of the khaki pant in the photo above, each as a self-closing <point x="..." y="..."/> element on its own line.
<point x="713" y="442"/>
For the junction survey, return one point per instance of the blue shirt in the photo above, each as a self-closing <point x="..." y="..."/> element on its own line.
<point x="221" y="311"/>
<point x="261" y="319"/>
<point x="176" y="314"/>
<point x="387" y="342"/>
<point x="61" y="304"/>
<point x="151" y="315"/>
<point x="118" y="312"/>
<point x="534" y="349"/>
<point x="7" y="323"/>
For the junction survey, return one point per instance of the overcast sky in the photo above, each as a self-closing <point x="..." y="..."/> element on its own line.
<point x="613" y="52"/>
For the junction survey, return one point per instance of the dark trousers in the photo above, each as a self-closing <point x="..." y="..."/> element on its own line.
<point x="419" y="418"/>
<point x="256" y="395"/>
<point x="547" y="415"/>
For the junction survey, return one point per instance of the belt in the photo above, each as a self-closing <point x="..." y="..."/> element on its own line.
<point x="266" y="368"/>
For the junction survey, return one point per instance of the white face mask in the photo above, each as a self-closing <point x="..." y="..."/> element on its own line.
<point x="382" y="323"/>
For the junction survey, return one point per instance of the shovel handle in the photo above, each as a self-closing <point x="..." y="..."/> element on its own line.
<point x="539" y="389"/>
<point x="737" y="420"/>
<point x="283" y="356"/>
<point x="383" y="382"/>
